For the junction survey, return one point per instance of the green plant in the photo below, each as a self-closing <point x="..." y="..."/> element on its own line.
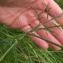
<point x="16" y="47"/>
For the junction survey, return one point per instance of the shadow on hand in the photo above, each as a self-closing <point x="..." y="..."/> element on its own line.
<point x="15" y="3"/>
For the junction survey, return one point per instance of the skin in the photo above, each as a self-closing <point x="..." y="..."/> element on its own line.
<point x="19" y="14"/>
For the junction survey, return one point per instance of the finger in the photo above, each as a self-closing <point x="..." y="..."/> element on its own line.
<point x="43" y="33"/>
<point x="39" y="4"/>
<point x="55" y="11"/>
<point x="27" y="28"/>
<point x="46" y="35"/>
<point x="41" y="43"/>
<point x="58" y="33"/>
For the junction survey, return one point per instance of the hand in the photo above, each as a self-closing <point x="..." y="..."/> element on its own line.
<point x="19" y="14"/>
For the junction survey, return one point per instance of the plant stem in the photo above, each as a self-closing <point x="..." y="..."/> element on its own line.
<point x="1" y="58"/>
<point x="47" y="40"/>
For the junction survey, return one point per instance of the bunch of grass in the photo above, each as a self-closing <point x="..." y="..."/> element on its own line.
<point x="16" y="47"/>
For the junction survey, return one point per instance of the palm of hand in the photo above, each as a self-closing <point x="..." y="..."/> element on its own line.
<point x="11" y="13"/>
<point x="17" y="16"/>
